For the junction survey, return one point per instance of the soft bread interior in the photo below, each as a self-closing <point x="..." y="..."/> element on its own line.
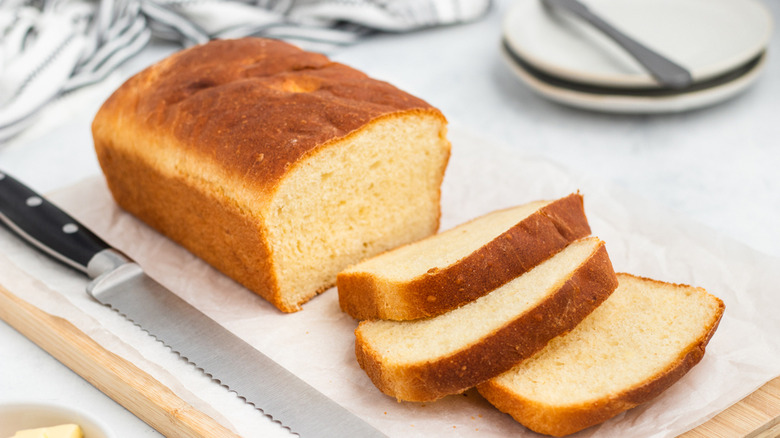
<point x="408" y="342"/>
<point x="634" y="335"/>
<point x="375" y="190"/>
<point x="444" y="249"/>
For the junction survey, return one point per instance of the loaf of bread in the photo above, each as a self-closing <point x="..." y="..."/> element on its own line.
<point x="450" y="269"/>
<point x="426" y="359"/>
<point x="640" y="341"/>
<point x="275" y="165"/>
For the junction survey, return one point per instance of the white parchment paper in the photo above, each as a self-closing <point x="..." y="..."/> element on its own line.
<point x="317" y="343"/>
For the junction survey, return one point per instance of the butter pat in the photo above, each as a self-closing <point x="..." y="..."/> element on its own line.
<point x="61" y="431"/>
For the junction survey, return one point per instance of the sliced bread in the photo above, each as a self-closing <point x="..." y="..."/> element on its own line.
<point x="426" y="359"/>
<point x="450" y="269"/>
<point x="640" y="341"/>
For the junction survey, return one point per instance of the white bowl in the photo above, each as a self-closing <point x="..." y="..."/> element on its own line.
<point x="32" y="415"/>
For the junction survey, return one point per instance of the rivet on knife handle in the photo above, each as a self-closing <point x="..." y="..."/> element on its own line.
<point x="122" y="285"/>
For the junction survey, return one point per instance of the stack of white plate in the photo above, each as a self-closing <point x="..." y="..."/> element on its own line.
<point x="722" y="43"/>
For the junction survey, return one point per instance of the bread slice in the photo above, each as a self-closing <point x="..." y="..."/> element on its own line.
<point x="426" y="359"/>
<point x="450" y="269"/>
<point x="645" y="337"/>
<point x="275" y="165"/>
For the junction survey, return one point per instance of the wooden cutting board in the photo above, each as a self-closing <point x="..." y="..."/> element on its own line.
<point x="756" y="416"/>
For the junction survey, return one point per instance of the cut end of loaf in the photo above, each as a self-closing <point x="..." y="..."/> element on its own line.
<point x="374" y="190"/>
<point x="640" y="341"/>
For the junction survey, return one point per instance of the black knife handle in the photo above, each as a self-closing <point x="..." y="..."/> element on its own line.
<point x="45" y="226"/>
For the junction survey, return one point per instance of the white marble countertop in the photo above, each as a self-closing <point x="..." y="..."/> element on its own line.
<point x="716" y="166"/>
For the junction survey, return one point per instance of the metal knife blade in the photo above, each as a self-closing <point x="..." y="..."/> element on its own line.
<point x="122" y="285"/>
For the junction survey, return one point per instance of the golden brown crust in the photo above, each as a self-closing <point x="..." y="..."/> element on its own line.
<point x="531" y="241"/>
<point x="565" y="420"/>
<point x="590" y="284"/>
<point x="359" y="295"/>
<point x="253" y="105"/>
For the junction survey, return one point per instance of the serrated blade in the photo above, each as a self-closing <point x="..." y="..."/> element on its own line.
<point x="228" y="359"/>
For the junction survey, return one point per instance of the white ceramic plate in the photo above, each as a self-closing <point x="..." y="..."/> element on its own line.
<point x="617" y="103"/>
<point x="708" y="37"/>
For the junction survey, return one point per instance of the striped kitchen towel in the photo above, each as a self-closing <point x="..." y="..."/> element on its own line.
<point x="50" y="48"/>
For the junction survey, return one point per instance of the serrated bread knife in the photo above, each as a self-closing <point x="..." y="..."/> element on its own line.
<point x="121" y="284"/>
